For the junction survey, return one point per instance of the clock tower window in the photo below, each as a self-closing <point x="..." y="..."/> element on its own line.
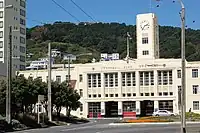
<point x="145" y="40"/>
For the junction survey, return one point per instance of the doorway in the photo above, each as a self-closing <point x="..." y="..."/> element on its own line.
<point x="147" y="108"/>
<point x="111" y="109"/>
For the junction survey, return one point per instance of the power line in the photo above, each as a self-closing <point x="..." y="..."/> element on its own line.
<point x="83" y="11"/>
<point x="65" y="10"/>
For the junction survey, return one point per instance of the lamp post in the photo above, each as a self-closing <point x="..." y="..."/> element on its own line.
<point x="183" y="94"/>
<point x="9" y="73"/>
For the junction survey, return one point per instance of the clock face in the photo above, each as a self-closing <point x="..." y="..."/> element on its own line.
<point x="144" y="25"/>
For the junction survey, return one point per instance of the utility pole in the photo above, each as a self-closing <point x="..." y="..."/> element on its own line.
<point x="69" y="70"/>
<point x="183" y="105"/>
<point x="128" y="47"/>
<point x="9" y="77"/>
<point x="49" y="85"/>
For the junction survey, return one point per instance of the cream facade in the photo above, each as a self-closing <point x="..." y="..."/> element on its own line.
<point x="15" y="17"/>
<point x="141" y="86"/>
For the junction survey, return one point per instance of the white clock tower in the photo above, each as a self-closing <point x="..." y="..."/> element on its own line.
<point x="147" y="36"/>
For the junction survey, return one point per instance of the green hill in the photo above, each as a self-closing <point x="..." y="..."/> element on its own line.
<point x="106" y="37"/>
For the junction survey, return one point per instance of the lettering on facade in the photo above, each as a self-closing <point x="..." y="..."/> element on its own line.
<point x="113" y="68"/>
<point x="128" y="67"/>
<point x="152" y="65"/>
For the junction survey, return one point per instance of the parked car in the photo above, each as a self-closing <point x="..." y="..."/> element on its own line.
<point x="163" y="113"/>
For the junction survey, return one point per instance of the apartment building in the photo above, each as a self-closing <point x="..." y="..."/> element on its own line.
<point x="14" y="16"/>
<point x="143" y="85"/>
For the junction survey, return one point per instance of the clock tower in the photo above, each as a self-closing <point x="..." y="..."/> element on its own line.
<point x="147" y="36"/>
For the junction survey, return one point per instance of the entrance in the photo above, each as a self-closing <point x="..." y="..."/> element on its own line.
<point x="111" y="109"/>
<point x="147" y="108"/>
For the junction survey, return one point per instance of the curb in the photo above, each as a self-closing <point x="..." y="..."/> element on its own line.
<point x="151" y="123"/>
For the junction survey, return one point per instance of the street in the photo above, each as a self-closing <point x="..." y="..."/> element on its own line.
<point x="104" y="126"/>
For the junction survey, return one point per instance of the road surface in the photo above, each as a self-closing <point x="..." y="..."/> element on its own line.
<point x="103" y="126"/>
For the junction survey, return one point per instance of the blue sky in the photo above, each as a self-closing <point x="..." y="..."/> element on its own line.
<point x="122" y="11"/>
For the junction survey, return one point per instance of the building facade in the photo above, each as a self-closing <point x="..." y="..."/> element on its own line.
<point x="15" y="17"/>
<point x="141" y="86"/>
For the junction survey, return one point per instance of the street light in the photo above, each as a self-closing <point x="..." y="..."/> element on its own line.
<point x="9" y="72"/>
<point x="183" y="107"/>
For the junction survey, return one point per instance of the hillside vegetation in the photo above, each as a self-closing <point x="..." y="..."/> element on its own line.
<point x="106" y="38"/>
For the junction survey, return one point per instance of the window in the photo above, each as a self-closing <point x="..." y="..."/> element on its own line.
<point x="129" y="106"/>
<point x="146" y="78"/>
<point x="128" y="79"/>
<point x="22" y="13"/>
<point x="179" y="97"/>
<point x="1" y="14"/>
<point x="22" y="3"/>
<point x="123" y="79"/>
<point x="195" y="73"/>
<point x="99" y="80"/>
<point x="1" y="34"/>
<point x="1" y="44"/>
<point x="145" y="40"/>
<point x="22" y="31"/>
<point x="81" y="107"/>
<point x="22" y="40"/>
<point x="111" y="79"/>
<point x="116" y="95"/>
<point x="1" y="54"/>
<point x="22" y="21"/>
<point x="178" y="73"/>
<point x="94" y="80"/>
<point x="80" y="78"/>
<point x="1" y="4"/>
<point x="58" y="79"/>
<point x="22" y="49"/>
<point x="81" y="92"/>
<point x="166" y="105"/>
<point x="1" y="24"/>
<point x="195" y="89"/>
<point x="22" y="58"/>
<point x="165" y="77"/>
<point x="129" y="95"/>
<point x="145" y="52"/>
<point x="195" y="105"/>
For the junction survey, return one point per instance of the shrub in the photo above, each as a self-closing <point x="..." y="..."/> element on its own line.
<point x="4" y="126"/>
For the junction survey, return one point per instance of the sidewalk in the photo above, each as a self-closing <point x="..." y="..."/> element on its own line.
<point x="152" y="123"/>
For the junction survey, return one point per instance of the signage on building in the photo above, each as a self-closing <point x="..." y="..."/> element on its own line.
<point x="152" y="65"/>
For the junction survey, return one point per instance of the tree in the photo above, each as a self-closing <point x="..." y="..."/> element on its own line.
<point x="24" y="94"/>
<point x="63" y="96"/>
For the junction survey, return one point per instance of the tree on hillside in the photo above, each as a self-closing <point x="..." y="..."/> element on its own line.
<point x="110" y="37"/>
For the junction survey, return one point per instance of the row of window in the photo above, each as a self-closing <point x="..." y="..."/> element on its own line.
<point x="129" y="79"/>
<point x="195" y="73"/>
<point x="127" y="94"/>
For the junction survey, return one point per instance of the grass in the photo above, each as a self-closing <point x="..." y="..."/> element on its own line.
<point x="189" y="117"/>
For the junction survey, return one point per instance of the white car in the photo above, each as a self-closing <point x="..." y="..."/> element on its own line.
<point x="163" y="113"/>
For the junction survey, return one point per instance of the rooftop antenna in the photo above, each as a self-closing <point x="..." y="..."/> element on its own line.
<point x="150" y="6"/>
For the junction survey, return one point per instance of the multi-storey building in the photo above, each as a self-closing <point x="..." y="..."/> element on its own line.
<point x="13" y="13"/>
<point x="142" y="85"/>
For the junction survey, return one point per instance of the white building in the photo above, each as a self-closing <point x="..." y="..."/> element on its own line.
<point x="113" y="56"/>
<point x="140" y="86"/>
<point x="15" y="17"/>
<point x="55" y="53"/>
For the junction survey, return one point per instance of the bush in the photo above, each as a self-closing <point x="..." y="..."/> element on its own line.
<point x="28" y="120"/>
<point x="4" y="126"/>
